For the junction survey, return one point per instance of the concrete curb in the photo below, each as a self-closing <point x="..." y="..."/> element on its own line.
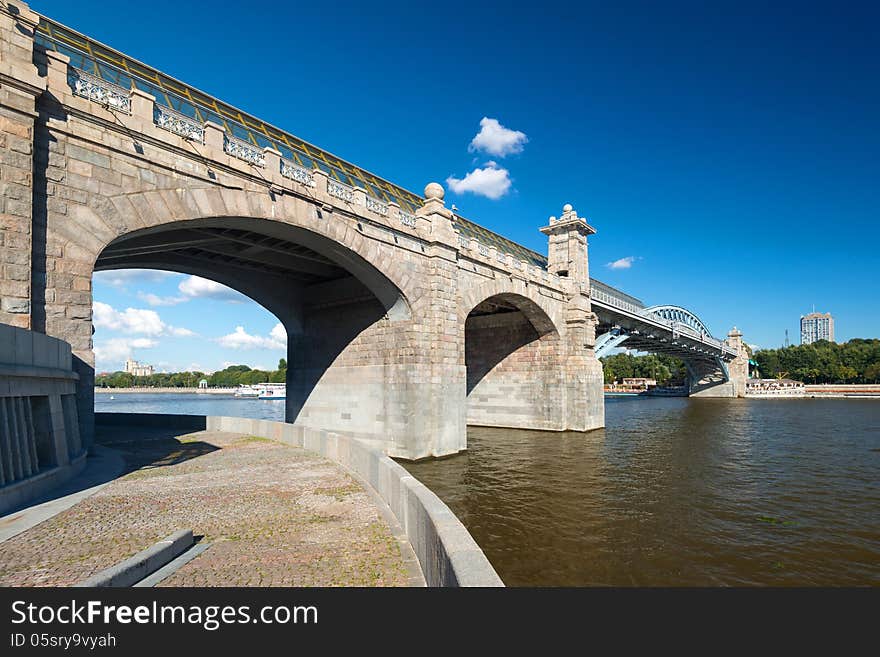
<point x="136" y="568"/>
<point x="447" y="553"/>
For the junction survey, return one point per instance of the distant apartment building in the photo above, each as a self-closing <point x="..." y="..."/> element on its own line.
<point x="817" y="326"/>
<point x="137" y="369"/>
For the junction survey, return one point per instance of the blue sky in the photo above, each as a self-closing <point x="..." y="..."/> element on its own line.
<point x="728" y="152"/>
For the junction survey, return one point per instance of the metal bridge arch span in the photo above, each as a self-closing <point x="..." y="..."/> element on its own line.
<point x="679" y="315"/>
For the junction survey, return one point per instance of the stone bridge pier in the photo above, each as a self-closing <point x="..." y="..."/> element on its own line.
<point x="708" y="379"/>
<point x="405" y="321"/>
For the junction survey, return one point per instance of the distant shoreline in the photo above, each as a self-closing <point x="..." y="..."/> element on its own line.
<point x="200" y="391"/>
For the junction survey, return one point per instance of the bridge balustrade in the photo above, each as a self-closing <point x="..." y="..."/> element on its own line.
<point x="375" y="205"/>
<point x="179" y="124"/>
<point x="407" y="219"/>
<point x="243" y="150"/>
<point x="340" y="190"/>
<point x="294" y="172"/>
<point x="100" y="91"/>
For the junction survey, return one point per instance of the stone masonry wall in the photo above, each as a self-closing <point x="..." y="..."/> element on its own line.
<point x="19" y="86"/>
<point x="514" y="375"/>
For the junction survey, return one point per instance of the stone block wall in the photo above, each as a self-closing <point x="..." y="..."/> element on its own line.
<point x="19" y="87"/>
<point x="513" y="374"/>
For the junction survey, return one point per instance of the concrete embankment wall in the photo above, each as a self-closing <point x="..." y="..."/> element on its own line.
<point x="447" y="553"/>
<point x="40" y="444"/>
<point x="842" y="389"/>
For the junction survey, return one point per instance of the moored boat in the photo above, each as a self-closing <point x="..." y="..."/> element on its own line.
<point x="248" y="391"/>
<point x="273" y="391"/>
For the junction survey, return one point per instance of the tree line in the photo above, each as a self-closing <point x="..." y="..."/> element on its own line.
<point x="666" y="370"/>
<point x="230" y="377"/>
<point x="855" y="361"/>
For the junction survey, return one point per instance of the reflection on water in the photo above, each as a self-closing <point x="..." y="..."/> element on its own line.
<point x="677" y="492"/>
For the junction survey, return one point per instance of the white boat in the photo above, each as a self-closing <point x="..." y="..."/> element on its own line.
<point x="273" y="391"/>
<point x="248" y="391"/>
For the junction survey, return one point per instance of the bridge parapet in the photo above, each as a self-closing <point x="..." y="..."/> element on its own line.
<point x="138" y="111"/>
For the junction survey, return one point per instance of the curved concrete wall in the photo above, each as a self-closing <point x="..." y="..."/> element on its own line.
<point x="40" y="444"/>
<point x="448" y="554"/>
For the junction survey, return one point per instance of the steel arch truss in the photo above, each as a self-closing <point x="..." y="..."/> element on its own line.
<point x="608" y="341"/>
<point x="678" y="315"/>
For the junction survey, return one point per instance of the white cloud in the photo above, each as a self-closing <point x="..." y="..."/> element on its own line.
<point x="491" y="181"/>
<point x="134" y="321"/>
<point x="123" y="277"/>
<point x="181" y="332"/>
<point x="279" y="333"/>
<point x="131" y="320"/>
<point x="495" y="139"/>
<point x="241" y="339"/>
<point x="155" y="300"/>
<point x="110" y="354"/>
<point x="622" y="263"/>
<point x="195" y="287"/>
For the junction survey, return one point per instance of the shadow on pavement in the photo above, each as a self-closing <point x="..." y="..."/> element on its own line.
<point x="151" y="447"/>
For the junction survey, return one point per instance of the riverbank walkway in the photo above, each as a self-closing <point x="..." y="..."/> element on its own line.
<point x="272" y="514"/>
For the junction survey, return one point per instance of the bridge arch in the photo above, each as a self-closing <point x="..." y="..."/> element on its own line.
<point x="339" y="294"/>
<point x="540" y="311"/>
<point x="107" y="220"/>
<point x="679" y="315"/>
<point x="512" y="357"/>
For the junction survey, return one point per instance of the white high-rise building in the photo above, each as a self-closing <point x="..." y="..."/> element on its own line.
<point x="817" y="326"/>
<point x="136" y="369"/>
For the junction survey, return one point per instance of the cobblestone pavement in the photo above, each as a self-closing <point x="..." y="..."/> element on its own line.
<point x="274" y="515"/>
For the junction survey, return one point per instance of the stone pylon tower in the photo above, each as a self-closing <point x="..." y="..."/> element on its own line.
<point x="568" y="258"/>
<point x="738" y="368"/>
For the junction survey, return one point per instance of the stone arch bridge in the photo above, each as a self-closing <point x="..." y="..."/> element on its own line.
<point x="405" y="321"/>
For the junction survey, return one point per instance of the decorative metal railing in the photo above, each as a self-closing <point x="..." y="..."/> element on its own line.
<point x="100" y="91"/>
<point x="179" y="124"/>
<point x="340" y="190"/>
<point x="617" y="302"/>
<point x="377" y="206"/>
<point x="407" y="219"/>
<point x="295" y="172"/>
<point x="243" y="151"/>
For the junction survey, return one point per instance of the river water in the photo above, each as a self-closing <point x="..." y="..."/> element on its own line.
<point x="190" y="404"/>
<point x="672" y="492"/>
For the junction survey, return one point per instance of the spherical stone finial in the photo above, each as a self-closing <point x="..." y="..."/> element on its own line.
<point x="567" y="208"/>
<point x="434" y="190"/>
<point x="552" y="219"/>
